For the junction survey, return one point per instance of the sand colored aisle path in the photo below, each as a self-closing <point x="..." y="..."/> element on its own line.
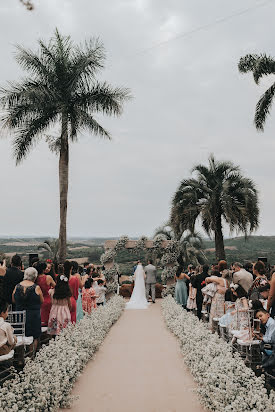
<point x="138" y="368"/>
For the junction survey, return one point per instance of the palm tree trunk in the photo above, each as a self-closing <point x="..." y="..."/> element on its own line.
<point x="63" y="189"/>
<point x="219" y="243"/>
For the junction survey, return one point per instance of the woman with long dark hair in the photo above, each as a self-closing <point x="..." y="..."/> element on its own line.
<point x="76" y="283"/>
<point x="181" y="294"/>
<point x="60" y="314"/>
<point x="45" y="282"/>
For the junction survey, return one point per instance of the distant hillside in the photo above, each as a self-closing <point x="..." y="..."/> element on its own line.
<point x="237" y="249"/>
<point x="242" y="249"/>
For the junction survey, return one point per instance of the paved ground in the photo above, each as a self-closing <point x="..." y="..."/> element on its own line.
<point x="138" y="368"/>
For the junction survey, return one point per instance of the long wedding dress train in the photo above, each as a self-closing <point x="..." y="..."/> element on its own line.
<point x="138" y="299"/>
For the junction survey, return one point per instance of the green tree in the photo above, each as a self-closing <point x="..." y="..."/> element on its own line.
<point x="217" y="194"/>
<point x="62" y="89"/>
<point x="52" y="247"/>
<point x="191" y="245"/>
<point x="260" y="65"/>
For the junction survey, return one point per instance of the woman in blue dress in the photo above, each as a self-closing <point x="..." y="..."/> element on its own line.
<point x="181" y="294"/>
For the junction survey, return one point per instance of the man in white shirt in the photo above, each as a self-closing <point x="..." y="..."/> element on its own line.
<point x="100" y="292"/>
<point x="242" y="277"/>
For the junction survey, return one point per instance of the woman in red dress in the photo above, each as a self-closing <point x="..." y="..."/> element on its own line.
<point x="74" y="286"/>
<point x="45" y="282"/>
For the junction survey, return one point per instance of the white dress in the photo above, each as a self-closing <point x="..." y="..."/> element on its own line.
<point x="138" y="299"/>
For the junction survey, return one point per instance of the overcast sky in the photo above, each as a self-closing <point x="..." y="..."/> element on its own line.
<point x="189" y="101"/>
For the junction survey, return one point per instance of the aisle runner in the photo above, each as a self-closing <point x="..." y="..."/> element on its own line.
<point x="138" y="368"/>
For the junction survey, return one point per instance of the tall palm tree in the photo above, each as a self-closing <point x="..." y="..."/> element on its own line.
<point x="62" y="89"/>
<point x="190" y="244"/>
<point x="260" y="65"/>
<point x="217" y="194"/>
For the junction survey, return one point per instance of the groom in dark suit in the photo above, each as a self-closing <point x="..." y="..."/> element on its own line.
<point x="151" y="280"/>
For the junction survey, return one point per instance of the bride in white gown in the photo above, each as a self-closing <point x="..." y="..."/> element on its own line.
<point x="138" y="299"/>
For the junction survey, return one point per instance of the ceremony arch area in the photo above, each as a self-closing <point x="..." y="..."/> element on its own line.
<point x="165" y="250"/>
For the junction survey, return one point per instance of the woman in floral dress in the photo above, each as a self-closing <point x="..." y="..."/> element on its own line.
<point x="239" y="316"/>
<point x="60" y="314"/>
<point x="89" y="296"/>
<point x="217" y="303"/>
<point x="260" y="280"/>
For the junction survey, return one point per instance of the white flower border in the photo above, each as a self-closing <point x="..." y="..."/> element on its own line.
<point x="225" y="384"/>
<point x="46" y="383"/>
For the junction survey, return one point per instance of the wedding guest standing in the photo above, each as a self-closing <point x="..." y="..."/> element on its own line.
<point x="181" y="288"/>
<point x="242" y="277"/>
<point x="60" y="314"/>
<point x="271" y="296"/>
<point x="239" y="316"/>
<point x="81" y="282"/>
<point x="217" y="303"/>
<point x="50" y="269"/>
<point x="13" y="276"/>
<point x="28" y="296"/>
<point x="260" y="279"/>
<point x="74" y="286"/>
<point x="89" y="296"/>
<point x="100" y="291"/>
<point x="199" y="283"/>
<point x="3" y="270"/>
<point x="224" y="271"/>
<point x="45" y="282"/>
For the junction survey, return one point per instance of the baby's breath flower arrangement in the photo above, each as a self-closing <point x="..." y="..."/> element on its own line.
<point x="169" y="254"/>
<point x="45" y="383"/>
<point x="121" y="243"/>
<point x="225" y="383"/>
<point x="140" y="245"/>
<point x="108" y="256"/>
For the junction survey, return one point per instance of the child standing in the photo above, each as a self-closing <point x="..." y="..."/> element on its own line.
<point x="60" y="314"/>
<point x="7" y="338"/>
<point x="88" y="296"/>
<point x="100" y="291"/>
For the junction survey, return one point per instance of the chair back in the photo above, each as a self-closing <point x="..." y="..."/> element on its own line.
<point x="17" y="319"/>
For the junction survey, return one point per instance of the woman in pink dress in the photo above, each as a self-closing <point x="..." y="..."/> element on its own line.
<point x="60" y="314"/>
<point x="45" y="282"/>
<point x="89" y="296"/>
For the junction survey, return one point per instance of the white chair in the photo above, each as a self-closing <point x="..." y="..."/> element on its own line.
<point x="18" y="321"/>
<point x="6" y="364"/>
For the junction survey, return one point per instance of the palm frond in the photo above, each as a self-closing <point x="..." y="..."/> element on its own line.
<point x="27" y="136"/>
<point x="263" y="107"/>
<point x="248" y="63"/>
<point x="86" y="62"/>
<point x="88" y="122"/>
<point x="102" y="98"/>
